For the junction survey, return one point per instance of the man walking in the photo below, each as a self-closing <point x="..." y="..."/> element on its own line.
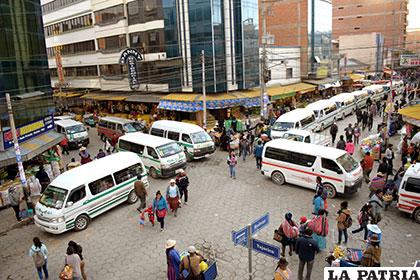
<point x="306" y="248"/>
<point x="183" y="182"/>
<point x="349" y="132"/>
<point x="367" y="166"/>
<point x="341" y="144"/>
<point x="141" y="193"/>
<point x="64" y="144"/>
<point x="333" y="131"/>
<point x="258" y="150"/>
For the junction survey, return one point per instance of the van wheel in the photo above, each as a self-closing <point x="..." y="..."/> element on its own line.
<point x="153" y="172"/>
<point x="278" y="178"/>
<point x="416" y="215"/>
<point x="132" y="197"/>
<point x="81" y="223"/>
<point x="330" y="190"/>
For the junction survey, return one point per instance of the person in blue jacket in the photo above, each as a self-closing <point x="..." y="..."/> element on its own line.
<point x="160" y="207"/>
<point x="173" y="260"/>
<point x="258" y="150"/>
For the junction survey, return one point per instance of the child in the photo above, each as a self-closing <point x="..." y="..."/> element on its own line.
<point x="151" y="215"/>
<point x="141" y="219"/>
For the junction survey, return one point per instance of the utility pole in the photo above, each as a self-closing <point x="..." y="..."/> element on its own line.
<point x="203" y="73"/>
<point x="15" y="140"/>
<point x="263" y="106"/>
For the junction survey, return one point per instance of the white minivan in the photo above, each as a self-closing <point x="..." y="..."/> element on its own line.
<point x="75" y="132"/>
<point x="299" y="163"/>
<point x="300" y="118"/>
<point x="361" y="97"/>
<point x="376" y="92"/>
<point x="196" y="142"/>
<point x="409" y="192"/>
<point x="162" y="157"/>
<point x="326" y="112"/>
<point x="77" y="196"/>
<point x="346" y="103"/>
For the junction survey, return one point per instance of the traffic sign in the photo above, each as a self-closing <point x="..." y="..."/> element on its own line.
<point x="240" y="237"/>
<point x="266" y="248"/>
<point x="260" y="223"/>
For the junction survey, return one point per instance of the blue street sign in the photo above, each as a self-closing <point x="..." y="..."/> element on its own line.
<point x="260" y="223"/>
<point x="266" y="248"/>
<point x="240" y="237"/>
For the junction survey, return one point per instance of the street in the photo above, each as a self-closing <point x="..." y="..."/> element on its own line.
<point x="115" y="247"/>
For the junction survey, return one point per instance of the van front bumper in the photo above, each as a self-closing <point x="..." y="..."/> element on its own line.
<point x="171" y="171"/>
<point x="203" y="152"/>
<point x="353" y="188"/>
<point x="55" y="228"/>
<point x="79" y="143"/>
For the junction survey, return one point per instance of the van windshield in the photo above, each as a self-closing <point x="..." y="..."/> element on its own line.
<point x="347" y="162"/>
<point x="283" y="126"/>
<point x="200" y="137"/>
<point x="53" y="197"/>
<point x="168" y="150"/>
<point x="294" y="137"/>
<point x="128" y="127"/>
<point x="75" y="129"/>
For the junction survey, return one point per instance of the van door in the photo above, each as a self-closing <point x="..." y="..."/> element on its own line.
<point x="103" y="196"/>
<point x="152" y="162"/>
<point x="188" y="145"/>
<point x="409" y="195"/>
<point x="301" y="167"/>
<point x="331" y="173"/>
<point x="75" y="205"/>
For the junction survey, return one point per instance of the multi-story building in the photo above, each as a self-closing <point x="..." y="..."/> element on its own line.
<point x="387" y="17"/>
<point x="91" y="34"/>
<point x="306" y="24"/>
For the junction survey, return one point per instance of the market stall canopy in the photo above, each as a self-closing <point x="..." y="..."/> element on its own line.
<point x="67" y="94"/>
<point x="281" y="92"/>
<point x="324" y="83"/>
<point x="145" y="98"/>
<point x="31" y="148"/>
<point x="105" y="96"/>
<point x="411" y="114"/>
<point x="357" y="77"/>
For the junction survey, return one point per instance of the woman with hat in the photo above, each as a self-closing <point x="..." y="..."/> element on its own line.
<point x="173" y="196"/>
<point x="372" y="254"/>
<point x="191" y="264"/>
<point x="173" y="260"/>
<point x="282" y="271"/>
<point x="84" y="155"/>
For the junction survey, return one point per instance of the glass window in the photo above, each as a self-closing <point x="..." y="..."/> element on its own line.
<point x="308" y="120"/>
<point x="101" y="185"/>
<point x="148" y="41"/>
<point x="75" y="129"/>
<point x="128" y="173"/>
<point x="111" y="125"/>
<point x="157" y="132"/>
<point x="77" y="194"/>
<point x="68" y="25"/>
<point x="151" y="152"/>
<point x="412" y="185"/>
<point x="186" y="138"/>
<point x="132" y="147"/>
<point x="278" y="154"/>
<point x="129" y="127"/>
<point x="71" y="49"/>
<point x="302" y="159"/>
<point x="109" y="15"/>
<point x="119" y="127"/>
<point x="53" y="197"/>
<point x="347" y="162"/>
<point x="200" y="137"/>
<point x="141" y="11"/>
<point x="102" y="123"/>
<point x="112" y="70"/>
<point x="330" y="165"/>
<point x="289" y="73"/>
<point x="112" y="43"/>
<point x="307" y="139"/>
<point x="282" y="126"/>
<point x="169" y="150"/>
<point x="173" y="135"/>
<point x="330" y="109"/>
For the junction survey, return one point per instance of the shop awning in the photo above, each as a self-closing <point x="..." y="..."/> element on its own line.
<point x="281" y="92"/>
<point x="145" y="98"/>
<point x="67" y="94"/>
<point x="105" y="96"/>
<point x="356" y="77"/>
<point x="31" y="148"/>
<point x="411" y="114"/>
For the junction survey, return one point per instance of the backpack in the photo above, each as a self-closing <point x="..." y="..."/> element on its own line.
<point x="66" y="273"/>
<point x="38" y="258"/>
<point x="348" y="222"/>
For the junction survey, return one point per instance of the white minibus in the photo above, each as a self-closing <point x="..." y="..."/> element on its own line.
<point x="346" y="103"/>
<point x="162" y="157"/>
<point x="409" y="192"/>
<point x="299" y="163"/>
<point x="361" y="97"/>
<point x="376" y="92"/>
<point x="77" y="196"/>
<point x="300" y="118"/>
<point x="197" y="143"/>
<point x="326" y="112"/>
<point x="75" y="132"/>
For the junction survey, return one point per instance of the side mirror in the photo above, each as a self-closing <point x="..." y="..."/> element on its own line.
<point x="69" y="203"/>
<point x="339" y="171"/>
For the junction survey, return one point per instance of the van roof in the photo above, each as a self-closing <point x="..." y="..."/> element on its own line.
<point x="177" y="126"/>
<point x="374" y="87"/>
<point x="295" y="115"/>
<point x="306" y="148"/>
<point x="94" y="170"/>
<point x="320" y="104"/>
<point x="359" y="92"/>
<point x="145" y="139"/>
<point x="298" y="132"/>
<point x="413" y="171"/>
<point x="341" y="97"/>
<point x="67" y="122"/>
<point x="116" y="120"/>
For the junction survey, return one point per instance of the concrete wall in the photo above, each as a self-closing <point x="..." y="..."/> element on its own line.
<point x="361" y="47"/>
<point x="281" y="58"/>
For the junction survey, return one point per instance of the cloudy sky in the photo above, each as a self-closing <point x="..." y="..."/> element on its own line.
<point x="414" y="14"/>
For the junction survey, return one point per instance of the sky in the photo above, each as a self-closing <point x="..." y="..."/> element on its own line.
<point x="413" y="14"/>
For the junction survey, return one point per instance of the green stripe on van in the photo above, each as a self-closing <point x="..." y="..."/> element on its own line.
<point x="106" y="202"/>
<point x="109" y="203"/>
<point x="186" y="144"/>
<point x="110" y="191"/>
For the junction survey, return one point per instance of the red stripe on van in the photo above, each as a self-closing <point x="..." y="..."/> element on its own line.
<point x="402" y="206"/>
<point x="305" y="172"/>
<point x="410" y="196"/>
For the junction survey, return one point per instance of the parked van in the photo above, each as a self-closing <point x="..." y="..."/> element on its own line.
<point x="409" y="192"/>
<point x="326" y="112"/>
<point x="197" y="143"/>
<point x="162" y="157"/>
<point x="361" y="97"/>
<point x="300" y="163"/>
<point x="74" y="131"/>
<point x="299" y="118"/>
<point x="346" y="103"/>
<point x="376" y="92"/>
<point x="397" y="85"/>
<point x="64" y="117"/>
<point x="109" y="127"/>
<point x="77" y="196"/>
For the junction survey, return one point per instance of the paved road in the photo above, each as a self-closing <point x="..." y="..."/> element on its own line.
<point x="115" y="248"/>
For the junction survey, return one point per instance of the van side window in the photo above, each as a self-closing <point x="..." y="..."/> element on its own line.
<point x="152" y="152"/>
<point x="302" y="159"/>
<point x="128" y="173"/>
<point x="101" y="185"/>
<point x="277" y="154"/>
<point x="120" y="128"/>
<point x="329" y="164"/>
<point x="59" y="130"/>
<point x="186" y="138"/>
<point x="173" y="135"/>
<point x="157" y="132"/>
<point x="132" y="147"/>
<point x="412" y="185"/>
<point x="111" y="125"/>
<point x="308" y="120"/>
<point x="307" y="139"/>
<point x="77" y="194"/>
<point x="102" y="123"/>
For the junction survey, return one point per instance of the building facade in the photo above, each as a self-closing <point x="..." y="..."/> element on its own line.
<point x="284" y="65"/>
<point x="91" y="34"/>
<point x="387" y="17"/>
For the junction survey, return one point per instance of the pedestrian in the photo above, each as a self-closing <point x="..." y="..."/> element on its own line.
<point x="378" y="183"/>
<point x="258" y="150"/>
<point x="371" y="256"/>
<point x="79" y="251"/>
<point x="84" y="155"/>
<point x="100" y="154"/>
<point x="243" y="147"/>
<point x="39" y="254"/>
<point x="383" y="166"/>
<point x="356" y="134"/>
<point x="232" y="161"/>
<point x="370" y="121"/>
<point x="64" y="144"/>
<point x="160" y="207"/>
<point x="247" y="123"/>
<point x="15" y="197"/>
<point x="113" y="142"/>
<point x="349" y="132"/>
<point x="363" y="220"/>
<point x="306" y="248"/>
<point x="344" y="221"/>
<point x="73" y="260"/>
<point x="43" y="178"/>
<point x="333" y="131"/>
<point x="183" y="183"/>
<point x="190" y="265"/>
<point x="373" y="109"/>
<point x="367" y="166"/>
<point x="282" y="272"/>
<point x="319" y="226"/>
<point x="341" y="144"/>
<point x="378" y="108"/>
<point x="358" y="115"/>
<point x="303" y="223"/>
<point x="349" y="147"/>
<point x="364" y="120"/>
<point x="73" y="164"/>
<point x="389" y="154"/>
<point x="289" y="232"/>
<point x="141" y="192"/>
<point x="377" y="205"/>
<point x="173" y="260"/>
<point x="319" y="187"/>
<point x="368" y="102"/>
<point x="318" y="203"/>
<point x="173" y="196"/>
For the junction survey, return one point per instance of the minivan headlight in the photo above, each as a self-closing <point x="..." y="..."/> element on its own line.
<point x="57" y="220"/>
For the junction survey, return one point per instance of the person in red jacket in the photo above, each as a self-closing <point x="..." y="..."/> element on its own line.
<point x="367" y="166"/>
<point x="64" y="144"/>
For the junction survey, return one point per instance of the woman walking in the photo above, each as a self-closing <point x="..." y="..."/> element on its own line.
<point x="289" y="231"/>
<point x="173" y="260"/>
<point x="39" y="254"/>
<point x="79" y="251"/>
<point x="173" y="195"/>
<point x="319" y="226"/>
<point x="350" y="147"/>
<point x="72" y="259"/>
<point x="363" y="219"/>
<point x="232" y="161"/>
<point x="160" y="207"/>
<point x="343" y="221"/>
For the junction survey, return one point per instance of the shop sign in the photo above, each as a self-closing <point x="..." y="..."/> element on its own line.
<point x="131" y="57"/>
<point x="409" y="60"/>
<point x="28" y="131"/>
<point x="322" y="72"/>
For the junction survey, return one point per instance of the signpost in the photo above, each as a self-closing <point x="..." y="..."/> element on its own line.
<point x="131" y="57"/>
<point x="266" y="248"/>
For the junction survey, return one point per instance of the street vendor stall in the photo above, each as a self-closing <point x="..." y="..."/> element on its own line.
<point x="372" y="144"/>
